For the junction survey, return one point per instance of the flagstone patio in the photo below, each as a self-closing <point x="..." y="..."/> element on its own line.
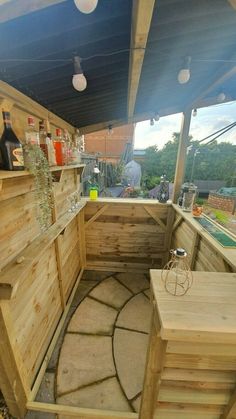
<point x="102" y="358"/>
<point x="99" y="358"/>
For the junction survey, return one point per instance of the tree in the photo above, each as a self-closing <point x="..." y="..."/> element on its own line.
<point x="212" y="162"/>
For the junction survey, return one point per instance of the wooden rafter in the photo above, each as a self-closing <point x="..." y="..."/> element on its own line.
<point x="141" y="21"/>
<point x="12" y="9"/>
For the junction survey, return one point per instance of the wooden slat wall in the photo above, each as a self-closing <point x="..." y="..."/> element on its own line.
<point x="125" y="236"/>
<point x="202" y="255"/>
<point x="36" y="310"/>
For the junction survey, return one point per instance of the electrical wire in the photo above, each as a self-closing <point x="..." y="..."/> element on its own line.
<point x="105" y="55"/>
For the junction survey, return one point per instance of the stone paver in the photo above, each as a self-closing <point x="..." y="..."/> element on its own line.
<point x="111" y="292"/>
<point x="136" y="314"/>
<point x="46" y="395"/>
<point x="148" y="293"/>
<point x="55" y="355"/>
<point x="93" y="317"/>
<point x="83" y="289"/>
<point x="136" y="403"/>
<point x="96" y="275"/>
<point x="135" y="282"/>
<point x="130" y="357"/>
<point x="106" y="395"/>
<point x="84" y="360"/>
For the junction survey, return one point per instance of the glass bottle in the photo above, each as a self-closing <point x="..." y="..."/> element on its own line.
<point x="10" y="147"/>
<point x="51" y="150"/>
<point x="68" y="147"/>
<point x="59" y="145"/>
<point x="43" y="138"/>
<point x="31" y="140"/>
<point x="75" y="153"/>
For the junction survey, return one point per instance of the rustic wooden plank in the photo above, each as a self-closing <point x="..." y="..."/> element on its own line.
<point x="96" y="215"/>
<point x="53" y="342"/>
<point x="206" y="376"/>
<point x="155" y="217"/>
<point x="14" y="380"/>
<point x="153" y="370"/>
<point x="14" y="272"/>
<point x="78" y="412"/>
<point x="230" y="409"/>
<point x="82" y="242"/>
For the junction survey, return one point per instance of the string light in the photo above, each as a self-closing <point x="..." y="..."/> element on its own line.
<point x="195" y="112"/>
<point x="184" y="73"/>
<point x="86" y="6"/>
<point x="78" y="80"/>
<point x="152" y="122"/>
<point x="221" y="97"/>
<point x="110" y="130"/>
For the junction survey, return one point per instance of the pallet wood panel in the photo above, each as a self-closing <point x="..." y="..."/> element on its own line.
<point x="126" y="235"/>
<point x="36" y="309"/>
<point x="18" y="225"/>
<point x="198" y="378"/>
<point x="205" y="254"/>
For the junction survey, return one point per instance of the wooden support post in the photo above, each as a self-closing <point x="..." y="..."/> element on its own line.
<point x="154" y="366"/>
<point x="230" y="409"/>
<point x="194" y="250"/>
<point x="169" y="232"/>
<point x="82" y="243"/>
<point x="14" y="381"/>
<point x="182" y="152"/>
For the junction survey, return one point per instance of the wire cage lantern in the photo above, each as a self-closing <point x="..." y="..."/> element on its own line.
<point x="176" y="274"/>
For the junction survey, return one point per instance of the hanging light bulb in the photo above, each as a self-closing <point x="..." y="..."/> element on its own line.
<point x="78" y="80"/>
<point x="157" y="117"/>
<point x="152" y="122"/>
<point x="195" y="112"/>
<point x="110" y="130"/>
<point x="86" y="6"/>
<point x="184" y="73"/>
<point x="221" y="97"/>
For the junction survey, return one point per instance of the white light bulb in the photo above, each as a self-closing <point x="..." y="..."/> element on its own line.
<point x="195" y="112"/>
<point x="86" y="6"/>
<point x="221" y="97"/>
<point x="152" y="122"/>
<point x="157" y="117"/>
<point x="79" y="82"/>
<point x="184" y="76"/>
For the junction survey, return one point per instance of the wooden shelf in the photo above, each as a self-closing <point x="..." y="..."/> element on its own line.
<point x="7" y="174"/>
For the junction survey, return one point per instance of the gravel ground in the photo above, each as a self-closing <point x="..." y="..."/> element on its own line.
<point x="4" y="412"/>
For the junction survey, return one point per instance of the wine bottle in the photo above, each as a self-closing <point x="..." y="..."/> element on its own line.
<point x="10" y="147"/>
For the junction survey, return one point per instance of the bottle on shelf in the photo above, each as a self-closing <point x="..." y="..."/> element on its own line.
<point x="75" y="152"/>
<point x="31" y="140"/>
<point x="51" y="150"/>
<point x="10" y="147"/>
<point x="43" y="138"/>
<point x="68" y="147"/>
<point x="59" y="145"/>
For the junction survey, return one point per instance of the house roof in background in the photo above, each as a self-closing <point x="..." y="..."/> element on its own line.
<point x="203" y="29"/>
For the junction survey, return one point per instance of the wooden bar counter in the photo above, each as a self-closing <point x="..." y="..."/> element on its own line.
<point x="191" y="360"/>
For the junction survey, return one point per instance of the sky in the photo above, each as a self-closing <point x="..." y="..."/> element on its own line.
<point x="207" y="121"/>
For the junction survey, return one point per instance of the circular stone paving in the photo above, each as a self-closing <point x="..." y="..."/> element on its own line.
<point x="103" y="354"/>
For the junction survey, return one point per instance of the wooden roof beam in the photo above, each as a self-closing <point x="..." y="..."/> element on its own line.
<point x="141" y="21"/>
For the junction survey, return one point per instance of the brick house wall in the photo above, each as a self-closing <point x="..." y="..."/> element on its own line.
<point x="222" y="202"/>
<point x="109" y="146"/>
